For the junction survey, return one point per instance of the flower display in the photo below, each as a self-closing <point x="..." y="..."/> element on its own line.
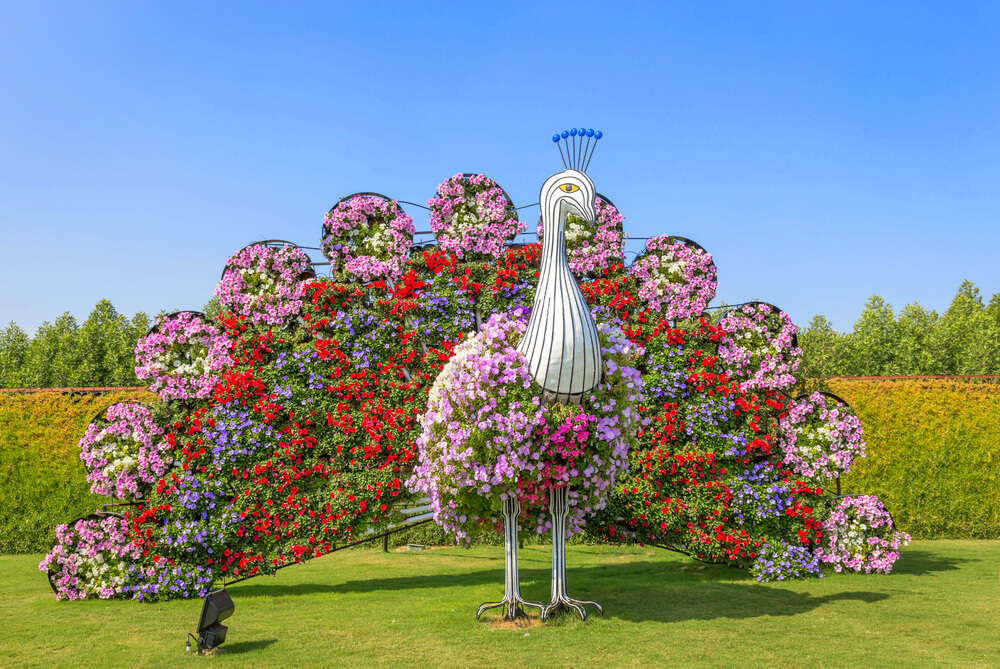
<point x="399" y="377"/>
<point x="820" y="437"/>
<point x="182" y="355"/>
<point x="264" y="284"/>
<point x="124" y="452"/>
<point x="782" y="561"/>
<point x="487" y="435"/>
<point x="90" y="558"/>
<point x="860" y="536"/>
<point x="367" y="238"/>
<point x="759" y="348"/>
<point x="676" y="279"/>
<point x="593" y="248"/>
<point x="472" y="216"/>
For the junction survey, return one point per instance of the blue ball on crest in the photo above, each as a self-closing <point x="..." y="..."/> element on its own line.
<point x="580" y="144"/>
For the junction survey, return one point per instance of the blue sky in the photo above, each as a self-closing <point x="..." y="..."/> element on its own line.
<point x="822" y="154"/>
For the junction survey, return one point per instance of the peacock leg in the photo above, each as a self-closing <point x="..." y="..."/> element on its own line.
<point x="559" y="508"/>
<point x="512" y="601"/>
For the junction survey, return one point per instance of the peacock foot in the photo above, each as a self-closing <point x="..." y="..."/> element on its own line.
<point x="565" y="603"/>
<point x="513" y="606"/>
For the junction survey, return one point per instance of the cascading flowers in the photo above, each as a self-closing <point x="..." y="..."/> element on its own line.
<point x="124" y="452"/>
<point x="472" y="216"/>
<point x="263" y="283"/>
<point x="91" y="558"/>
<point x="759" y="348"/>
<point x="820" y="437"/>
<point x="367" y="238"/>
<point x="183" y="356"/>
<point x="677" y="279"/>
<point x="486" y="434"/>
<point x="861" y="537"/>
<point x="592" y="249"/>
<point x="779" y="560"/>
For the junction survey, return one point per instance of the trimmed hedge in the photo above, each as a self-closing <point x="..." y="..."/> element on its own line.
<point x="933" y="453"/>
<point x="42" y="480"/>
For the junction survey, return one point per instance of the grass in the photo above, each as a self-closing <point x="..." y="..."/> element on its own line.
<point x="368" y="608"/>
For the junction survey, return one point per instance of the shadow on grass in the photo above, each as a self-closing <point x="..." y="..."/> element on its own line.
<point x="246" y="646"/>
<point x="918" y="563"/>
<point x="635" y="591"/>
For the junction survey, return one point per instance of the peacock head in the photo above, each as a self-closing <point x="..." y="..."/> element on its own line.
<point x="572" y="190"/>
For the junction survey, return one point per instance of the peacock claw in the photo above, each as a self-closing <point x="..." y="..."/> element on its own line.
<point x="562" y="603"/>
<point x="513" y="607"/>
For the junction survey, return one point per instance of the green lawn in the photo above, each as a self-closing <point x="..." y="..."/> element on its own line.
<point x="401" y="609"/>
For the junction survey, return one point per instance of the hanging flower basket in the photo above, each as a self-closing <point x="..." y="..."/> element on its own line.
<point x="676" y="277"/>
<point x="90" y="557"/>
<point x="760" y="348"/>
<point x="820" y="436"/>
<point x="182" y="355"/>
<point x="471" y="216"/>
<point x="367" y="237"/>
<point x="124" y="452"/>
<point x="263" y="282"/>
<point x="861" y="536"/>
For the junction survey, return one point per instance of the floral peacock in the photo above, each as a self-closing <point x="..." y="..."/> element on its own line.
<point x="489" y="385"/>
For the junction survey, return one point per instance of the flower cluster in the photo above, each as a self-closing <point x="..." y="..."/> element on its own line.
<point x="820" y="437"/>
<point x="593" y="248"/>
<point x="487" y="435"/>
<point x="367" y="238"/>
<point x="781" y="560"/>
<point x="91" y="558"/>
<point x="676" y="279"/>
<point x="124" y="452"/>
<point x="861" y="537"/>
<point x="759" y="347"/>
<point x="182" y="355"/>
<point x="264" y="284"/>
<point x="471" y="215"/>
<point x="479" y="428"/>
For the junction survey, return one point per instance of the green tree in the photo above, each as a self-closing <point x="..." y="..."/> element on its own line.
<point x="871" y="345"/>
<point x="912" y="349"/>
<point x="52" y="356"/>
<point x="824" y="350"/>
<point x="14" y="343"/>
<point x="105" y="347"/>
<point x="953" y="339"/>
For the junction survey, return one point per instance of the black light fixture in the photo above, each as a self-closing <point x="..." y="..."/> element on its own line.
<point x="217" y="607"/>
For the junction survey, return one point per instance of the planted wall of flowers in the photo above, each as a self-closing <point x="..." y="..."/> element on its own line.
<point x="315" y="409"/>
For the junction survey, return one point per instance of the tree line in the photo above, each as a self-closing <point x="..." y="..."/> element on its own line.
<point x="965" y="339"/>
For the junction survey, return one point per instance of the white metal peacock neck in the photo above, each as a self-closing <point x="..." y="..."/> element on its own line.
<point x="561" y="344"/>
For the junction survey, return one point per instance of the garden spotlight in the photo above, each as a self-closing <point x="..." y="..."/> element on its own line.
<point x="217" y="607"/>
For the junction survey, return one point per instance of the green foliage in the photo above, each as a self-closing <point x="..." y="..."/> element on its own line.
<point x="42" y="480"/>
<point x="964" y="340"/>
<point x="64" y="354"/>
<point x="932" y="453"/>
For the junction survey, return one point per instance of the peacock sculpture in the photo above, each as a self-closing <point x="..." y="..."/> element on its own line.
<point x="490" y="386"/>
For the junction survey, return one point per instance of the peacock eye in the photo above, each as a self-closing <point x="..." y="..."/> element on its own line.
<point x="569" y="188"/>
